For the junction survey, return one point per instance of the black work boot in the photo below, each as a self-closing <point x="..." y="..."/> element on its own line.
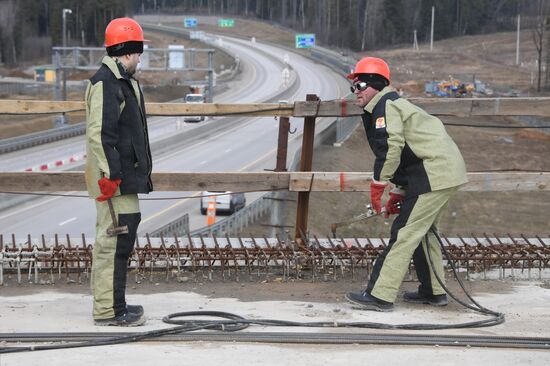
<point x="136" y="309"/>
<point x="368" y="302"/>
<point x="127" y="319"/>
<point x="417" y="298"/>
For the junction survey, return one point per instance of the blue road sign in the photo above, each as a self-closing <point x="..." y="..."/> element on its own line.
<point x="305" y="40"/>
<point x="190" y="22"/>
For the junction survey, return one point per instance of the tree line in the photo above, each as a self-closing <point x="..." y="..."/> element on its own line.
<point x="28" y="28"/>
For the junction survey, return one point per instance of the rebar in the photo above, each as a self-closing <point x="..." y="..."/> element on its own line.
<point x="320" y="259"/>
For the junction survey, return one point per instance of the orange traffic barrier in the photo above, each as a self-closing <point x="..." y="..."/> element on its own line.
<point x="211" y="211"/>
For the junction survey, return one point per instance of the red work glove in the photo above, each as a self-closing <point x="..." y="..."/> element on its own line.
<point x="376" y="192"/>
<point x="107" y="187"/>
<point x="393" y="204"/>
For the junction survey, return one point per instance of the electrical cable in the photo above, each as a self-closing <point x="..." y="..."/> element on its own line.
<point x="490" y="126"/>
<point x="141" y="198"/>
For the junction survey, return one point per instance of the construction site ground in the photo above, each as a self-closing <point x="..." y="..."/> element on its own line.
<point x="67" y="306"/>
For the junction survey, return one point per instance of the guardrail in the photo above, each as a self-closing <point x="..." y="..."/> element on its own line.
<point x="42" y="137"/>
<point x="332" y="59"/>
<point x="345" y="127"/>
<point x="7" y="88"/>
<point x="178" y="227"/>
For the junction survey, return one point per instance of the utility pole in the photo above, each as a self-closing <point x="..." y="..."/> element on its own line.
<point x="517" y="40"/>
<point x="415" y="42"/>
<point x="64" y="13"/>
<point x="432" y="30"/>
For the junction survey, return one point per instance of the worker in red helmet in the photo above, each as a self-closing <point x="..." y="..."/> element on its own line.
<point x="118" y="167"/>
<point x="421" y="166"/>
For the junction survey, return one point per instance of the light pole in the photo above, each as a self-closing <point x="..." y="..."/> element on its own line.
<point x="65" y="12"/>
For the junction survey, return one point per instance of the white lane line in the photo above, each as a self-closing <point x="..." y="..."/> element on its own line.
<point x="228" y="150"/>
<point x="203" y="162"/>
<point x="67" y="221"/>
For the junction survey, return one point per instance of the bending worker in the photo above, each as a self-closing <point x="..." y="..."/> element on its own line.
<point x="414" y="152"/>
<point x="118" y="167"/>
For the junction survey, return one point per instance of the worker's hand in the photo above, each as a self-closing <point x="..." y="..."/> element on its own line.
<point x="107" y="187"/>
<point x="376" y="192"/>
<point x="393" y="206"/>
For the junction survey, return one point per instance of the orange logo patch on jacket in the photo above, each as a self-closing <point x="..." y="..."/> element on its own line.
<point x="380" y="122"/>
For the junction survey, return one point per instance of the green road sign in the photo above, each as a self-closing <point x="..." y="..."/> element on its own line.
<point x="224" y="23"/>
<point x="305" y="40"/>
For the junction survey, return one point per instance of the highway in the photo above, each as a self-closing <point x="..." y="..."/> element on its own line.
<point x="250" y="146"/>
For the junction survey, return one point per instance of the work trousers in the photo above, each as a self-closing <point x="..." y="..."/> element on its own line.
<point x="407" y="240"/>
<point x="111" y="254"/>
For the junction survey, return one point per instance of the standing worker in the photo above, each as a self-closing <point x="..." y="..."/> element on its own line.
<point x="118" y="167"/>
<point x="414" y="152"/>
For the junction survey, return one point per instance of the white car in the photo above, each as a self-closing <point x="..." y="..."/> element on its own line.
<point x="194" y="99"/>
<point x="228" y="202"/>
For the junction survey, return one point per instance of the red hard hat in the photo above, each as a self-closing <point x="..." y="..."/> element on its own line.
<point x="371" y="65"/>
<point x="121" y="30"/>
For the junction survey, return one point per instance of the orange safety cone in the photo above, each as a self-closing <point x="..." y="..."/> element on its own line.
<point x="211" y="211"/>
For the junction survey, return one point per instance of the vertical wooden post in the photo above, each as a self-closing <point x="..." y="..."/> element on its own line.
<point x="306" y="163"/>
<point x="276" y="220"/>
<point x="282" y="144"/>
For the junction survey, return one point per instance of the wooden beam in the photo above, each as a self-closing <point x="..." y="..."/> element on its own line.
<point x="478" y="182"/>
<point x="437" y="106"/>
<point x="162" y="181"/>
<point x="266" y="181"/>
<point x="154" y="109"/>
<point x="215" y="109"/>
<point x="9" y="106"/>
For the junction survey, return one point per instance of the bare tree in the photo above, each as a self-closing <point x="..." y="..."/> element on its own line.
<point x="538" y="37"/>
<point x="303" y="14"/>
<point x="294" y="11"/>
<point x="8" y="11"/>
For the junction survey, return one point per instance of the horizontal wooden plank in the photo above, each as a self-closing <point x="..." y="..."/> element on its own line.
<point x="154" y="109"/>
<point x="437" y="106"/>
<point x="10" y="106"/>
<point x="215" y="109"/>
<point x="266" y="181"/>
<point x="162" y="181"/>
<point x="360" y="182"/>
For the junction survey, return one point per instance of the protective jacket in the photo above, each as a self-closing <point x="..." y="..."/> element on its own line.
<point x="412" y="148"/>
<point x="116" y="131"/>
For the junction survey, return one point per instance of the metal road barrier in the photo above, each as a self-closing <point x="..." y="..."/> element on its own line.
<point x="42" y="137"/>
<point x="179" y="227"/>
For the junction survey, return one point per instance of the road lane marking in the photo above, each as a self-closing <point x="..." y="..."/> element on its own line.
<point x="17" y="212"/>
<point x="67" y="221"/>
<point x="157" y="214"/>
